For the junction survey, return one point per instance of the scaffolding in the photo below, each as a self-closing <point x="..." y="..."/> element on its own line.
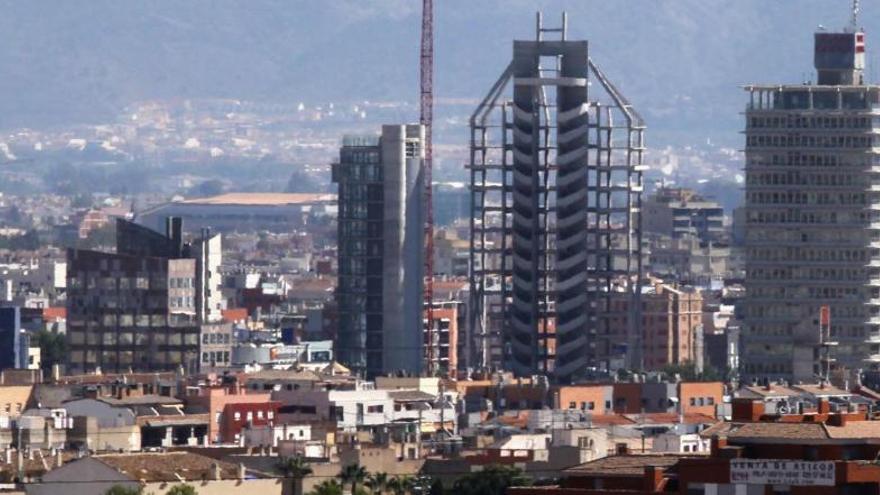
<point x="556" y="182"/>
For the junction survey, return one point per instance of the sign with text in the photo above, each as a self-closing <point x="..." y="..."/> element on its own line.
<point x="782" y="472"/>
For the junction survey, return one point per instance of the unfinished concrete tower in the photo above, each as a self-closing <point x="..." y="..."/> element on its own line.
<point x="556" y="181"/>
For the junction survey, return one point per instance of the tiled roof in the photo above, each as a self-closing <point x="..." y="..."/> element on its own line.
<point x="623" y="465"/>
<point x="235" y="314"/>
<point x="611" y="420"/>
<point x="141" y="400"/>
<point x="760" y="391"/>
<point x="168" y="466"/>
<point x="820" y="390"/>
<point x="283" y="375"/>
<point x="855" y="430"/>
<point x="54" y="313"/>
<point x="672" y="418"/>
<point x="788" y="431"/>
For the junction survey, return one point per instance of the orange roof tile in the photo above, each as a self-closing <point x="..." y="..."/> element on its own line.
<point x="54" y="313"/>
<point x="235" y="314"/>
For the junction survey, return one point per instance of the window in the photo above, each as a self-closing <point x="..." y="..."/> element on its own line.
<point x="572" y="405"/>
<point x="259" y="414"/>
<point x="270" y="414"/>
<point x="376" y="409"/>
<point x="591" y="406"/>
<point x="710" y="401"/>
<point x="237" y="416"/>
<point x="693" y="401"/>
<point x="250" y="416"/>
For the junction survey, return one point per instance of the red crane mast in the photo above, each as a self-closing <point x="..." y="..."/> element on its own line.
<point x="426" y="118"/>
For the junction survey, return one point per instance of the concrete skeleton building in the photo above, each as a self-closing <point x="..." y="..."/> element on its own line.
<point x="813" y="218"/>
<point x="556" y="182"/>
<point x="381" y="251"/>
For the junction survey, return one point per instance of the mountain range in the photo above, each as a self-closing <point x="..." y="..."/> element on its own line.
<point x="681" y="62"/>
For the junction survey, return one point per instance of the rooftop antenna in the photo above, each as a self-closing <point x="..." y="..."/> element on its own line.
<point x="854" y="21"/>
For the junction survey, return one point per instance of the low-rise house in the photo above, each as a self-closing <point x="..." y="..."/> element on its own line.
<point x="213" y="400"/>
<point x="153" y="473"/>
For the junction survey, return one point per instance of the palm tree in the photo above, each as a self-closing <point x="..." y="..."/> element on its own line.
<point x="182" y="490"/>
<point x="123" y="490"/>
<point x="328" y="487"/>
<point x="400" y="485"/>
<point x="354" y="474"/>
<point x="377" y="483"/>
<point x="295" y="468"/>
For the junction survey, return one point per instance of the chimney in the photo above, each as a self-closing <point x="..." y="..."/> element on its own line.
<point x="824" y="406"/>
<point x="653" y="478"/>
<point x="218" y="474"/>
<point x="174" y="233"/>
<point x="242" y="472"/>
<point x="59" y="458"/>
<point x="716" y="444"/>
<point x="56" y="372"/>
<point x="837" y="419"/>
<point x="747" y="410"/>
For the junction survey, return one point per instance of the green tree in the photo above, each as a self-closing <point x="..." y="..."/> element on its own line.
<point x="328" y="487"/>
<point x="182" y="490"/>
<point x="296" y="468"/>
<point x="124" y="490"/>
<point x="688" y="372"/>
<point x="377" y="483"/>
<point x="53" y="348"/>
<point x="400" y="485"/>
<point x="353" y="474"/>
<point x="493" y="479"/>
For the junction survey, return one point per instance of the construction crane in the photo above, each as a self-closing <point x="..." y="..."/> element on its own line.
<point x="426" y="118"/>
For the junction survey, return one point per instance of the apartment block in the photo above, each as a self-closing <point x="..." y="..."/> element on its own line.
<point x="813" y="219"/>
<point x="381" y="251"/>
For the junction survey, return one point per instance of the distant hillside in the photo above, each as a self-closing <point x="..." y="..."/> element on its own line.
<point x="680" y="61"/>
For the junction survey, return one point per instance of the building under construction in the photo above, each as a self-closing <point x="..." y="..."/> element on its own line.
<point x="556" y="182"/>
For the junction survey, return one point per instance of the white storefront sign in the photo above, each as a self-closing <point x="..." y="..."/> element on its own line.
<point x="782" y="472"/>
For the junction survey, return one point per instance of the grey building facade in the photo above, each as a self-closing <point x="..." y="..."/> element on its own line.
<point x="137" y="308"/>
<point x="812" y="235"/>
<point x="381" y="251"/>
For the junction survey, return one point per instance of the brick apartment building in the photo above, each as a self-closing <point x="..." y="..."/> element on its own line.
<point x="814" y="452"/>
<point x="671" y="326"/>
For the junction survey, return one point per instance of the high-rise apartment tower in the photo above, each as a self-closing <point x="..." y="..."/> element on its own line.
<point x="813" y="219"/>
<point x="381" y="251"/>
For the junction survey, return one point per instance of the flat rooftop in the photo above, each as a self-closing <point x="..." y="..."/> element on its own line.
<point x="263" y="199"/>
